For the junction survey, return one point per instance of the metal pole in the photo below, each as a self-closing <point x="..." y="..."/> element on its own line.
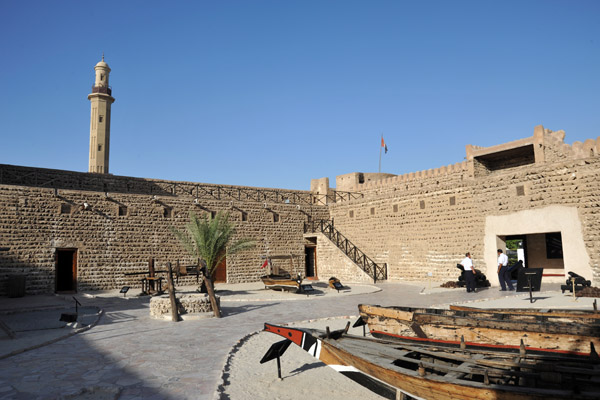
<point x="380" y="154"/>
<point x="279" y="368"/>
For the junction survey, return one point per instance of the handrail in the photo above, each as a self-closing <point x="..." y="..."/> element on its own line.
<point x="378" y="272"/>
<point x="72" y="180"/>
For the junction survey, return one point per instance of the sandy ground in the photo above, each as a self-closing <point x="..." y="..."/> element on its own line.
<point x="246" y="378"/>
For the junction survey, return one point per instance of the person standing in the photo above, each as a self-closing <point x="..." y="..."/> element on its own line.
<point x="467" y="264"/>
<point x="503" y="272"/>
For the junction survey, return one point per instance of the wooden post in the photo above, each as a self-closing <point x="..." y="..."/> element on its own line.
<point x="211" y="295"/>
<point x="151" y="272"/>
<point x="174" y="314"/>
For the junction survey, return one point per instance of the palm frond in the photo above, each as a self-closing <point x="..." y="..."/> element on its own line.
<point x="209" y="239"/>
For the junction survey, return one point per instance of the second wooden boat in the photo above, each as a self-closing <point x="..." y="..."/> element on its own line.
<point x="453" y="326"/>
<point x="432" y="372"/>
<point x="281" y="282"/>
<point x="280" y="279"/>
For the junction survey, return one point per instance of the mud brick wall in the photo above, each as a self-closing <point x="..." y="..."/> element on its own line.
<point x="35" y="221"/>
<point x="332" y="262"/>
<point x="426" y="222"/>
<point x="413" y="227"/>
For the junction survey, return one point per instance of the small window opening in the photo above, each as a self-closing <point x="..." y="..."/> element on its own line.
<point x="452" y="200"/>
<point x="351" y="213"/>
<point x="99" y="147"/>
<point x="65" y="208"/>
<point x="521" y="190"/>
<point x="122" y="211"/>
<point x="275" y="217"/>
<point x="244" y="216"/>
<point x="372" y="210"/>
<point x="361" y="178"/>
<point x="167" y="212"/>
<point x="100" y="118"/>
<point x="213" y="214"/>
<point x="395" y="207"/>
<point x="422" y="204"/>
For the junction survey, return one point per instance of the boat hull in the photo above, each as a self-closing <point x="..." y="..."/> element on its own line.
<point x="280" y="282"/>
<point x="430" y="373"/>
<point x="399" y="322"/>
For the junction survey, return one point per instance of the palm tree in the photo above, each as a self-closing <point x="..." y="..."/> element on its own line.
<point x="209" y="239"/>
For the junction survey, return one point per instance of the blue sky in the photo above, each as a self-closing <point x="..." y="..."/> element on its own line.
<point x="276" y="93"/>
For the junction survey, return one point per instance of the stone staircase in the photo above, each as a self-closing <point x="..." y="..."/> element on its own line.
<point x="376" y="271"/>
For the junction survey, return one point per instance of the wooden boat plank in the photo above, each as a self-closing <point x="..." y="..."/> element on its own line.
<point x="391" y="312"/>
<point x="543" y="355"/>
<point x="539" y="326"/>
<point x="567" y="314"/>
<point x="407" y="314"/>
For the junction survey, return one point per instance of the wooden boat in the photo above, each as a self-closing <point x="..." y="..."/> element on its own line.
<point x="281" y="282"/>
<point x="567" y="314"/>
<point x="280" y="279"/>
<point x="537" y="332"/>
<point x="434" y="372"/>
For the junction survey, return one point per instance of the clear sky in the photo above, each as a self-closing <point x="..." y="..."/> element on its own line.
<point x="276" y="93"/>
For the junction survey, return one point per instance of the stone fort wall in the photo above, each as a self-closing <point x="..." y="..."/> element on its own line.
<point x="118" y="223"/>
<point x="424" y="222"/>
<point x="418" y="223"/>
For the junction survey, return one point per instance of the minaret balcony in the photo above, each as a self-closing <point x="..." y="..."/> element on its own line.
<point x="102" y="89"/>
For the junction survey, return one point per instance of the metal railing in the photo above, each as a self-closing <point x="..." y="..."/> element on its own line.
<point x="102" y="89"/>
<point x="371" y="268"/>
<point x="72" y="180"/>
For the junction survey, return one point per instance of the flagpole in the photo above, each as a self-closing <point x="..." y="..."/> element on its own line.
<point x="380" y="154"/>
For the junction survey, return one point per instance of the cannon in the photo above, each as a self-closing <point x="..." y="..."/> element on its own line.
<point x="480" y="279"/>
<point x="575" y="281"/>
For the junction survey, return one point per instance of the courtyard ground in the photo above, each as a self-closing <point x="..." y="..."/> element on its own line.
<point x="122" y="353"/>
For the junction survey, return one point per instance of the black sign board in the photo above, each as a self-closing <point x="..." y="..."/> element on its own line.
<point x="529" y="279"/>
<point x="275" y="352"/>
<point x="337" y="285"/>
<point x="307" y="288"/>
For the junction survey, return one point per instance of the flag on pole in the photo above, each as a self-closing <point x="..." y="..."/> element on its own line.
<point x="383" y="145"/>
<point x="265" y="263"/>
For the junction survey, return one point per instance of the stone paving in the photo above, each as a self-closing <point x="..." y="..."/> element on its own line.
<point x="129" y="355"/>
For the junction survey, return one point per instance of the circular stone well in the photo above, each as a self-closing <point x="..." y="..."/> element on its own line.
<point x="190" y="306"/>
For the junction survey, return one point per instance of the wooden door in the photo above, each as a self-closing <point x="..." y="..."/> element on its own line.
<point x="221" y="272"/>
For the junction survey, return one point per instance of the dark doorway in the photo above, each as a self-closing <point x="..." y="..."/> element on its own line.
<point x="310" y="258"/>
<point x="66" y="270"/>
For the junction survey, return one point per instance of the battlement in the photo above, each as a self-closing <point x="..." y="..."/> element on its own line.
<point x="545" y="146"/>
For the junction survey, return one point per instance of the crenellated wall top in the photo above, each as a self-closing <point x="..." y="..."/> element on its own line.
<point x="544" y="146"/>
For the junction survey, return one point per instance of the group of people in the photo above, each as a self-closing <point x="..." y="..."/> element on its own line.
<point x="504" y="272"/>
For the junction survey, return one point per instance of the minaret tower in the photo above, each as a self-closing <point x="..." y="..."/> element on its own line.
<point x="101" y="99"/>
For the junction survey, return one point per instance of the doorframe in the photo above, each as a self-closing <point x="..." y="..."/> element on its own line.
<point x="314" y="251"/>
<point x="75" y="254"/>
